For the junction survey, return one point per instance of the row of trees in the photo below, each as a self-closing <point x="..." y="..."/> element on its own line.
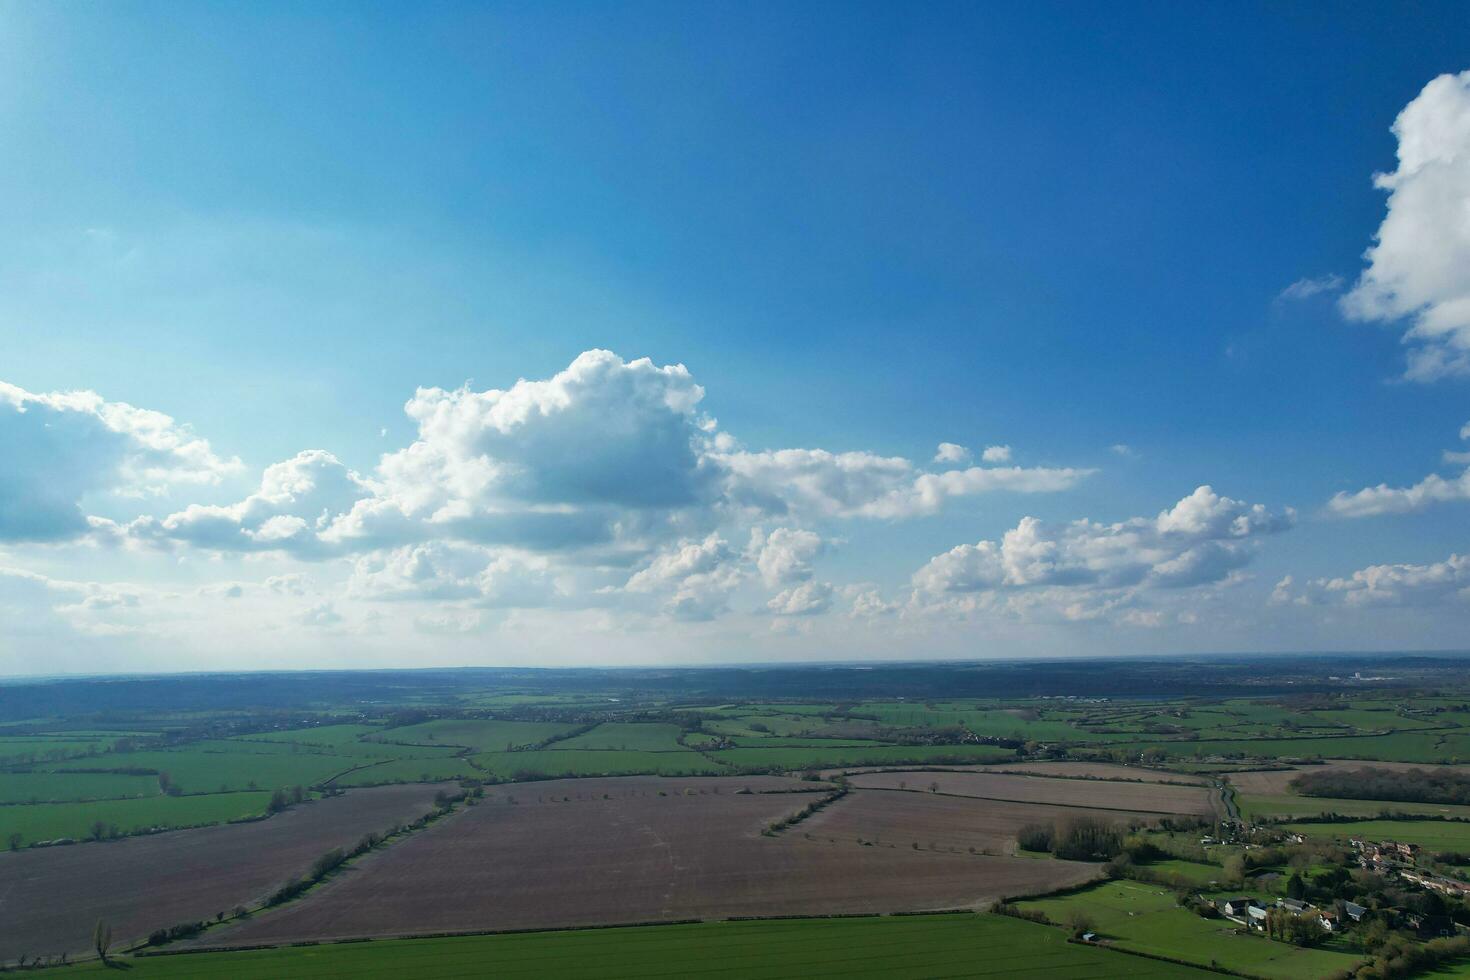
<point x="1398" y="785"/>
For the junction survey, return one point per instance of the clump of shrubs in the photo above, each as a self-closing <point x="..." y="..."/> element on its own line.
<point x="181" y="931"/>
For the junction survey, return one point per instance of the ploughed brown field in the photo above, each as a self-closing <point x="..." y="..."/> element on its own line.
<point x="1100" y="770"/>
<point x="51" y="898"/>
<point x="946" y="824"/>
<point x="638" y="849"/>
<point x="1278" y="781"/>
<point x="1136" y="798"/>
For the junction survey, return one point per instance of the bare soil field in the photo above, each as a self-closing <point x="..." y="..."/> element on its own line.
<point x="634" y="849"/>
<point x="1101" y="770"/>
<point x="1084" y="770"/>
<point x="938" y="823"/>
<point x="1154" y="798"/>
<point x="1275" y="782"/>
<point x="51" y="898"/>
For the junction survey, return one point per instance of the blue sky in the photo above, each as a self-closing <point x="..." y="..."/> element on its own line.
<point x="861" y="229"/>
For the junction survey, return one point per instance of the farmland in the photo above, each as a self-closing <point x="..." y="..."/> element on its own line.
<point x="582" y="810"/>
<point x="48" y="821"/>
<point x="53" y="896"/>
<point x="912" y="946"/>
<point x="1093" y="793"/>
<point x="646" y="849"/>
<point x="947" y="824"/>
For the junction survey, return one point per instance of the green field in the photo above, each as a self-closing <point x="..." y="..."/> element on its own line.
<point x="50" y="821"/>
<point x="43" y="787"/>
<point x="408" y="771"/>
<point x="198" y="771"/>
<point x="958" y="945"/>
<point x="1437" y="835"/>
<point x="1291" y="805"/>
<point x="14" y="751"/>
<point x="877" y="755"/>
<point x="1146" y="918"/>
<point x="481" y="735"/>
<point x="1192" y="871"/>
<point x="594" y="762"/>
<point x="327" y="735"/>
<point x="1397" y="747"/>
<point x="628" y="737"/>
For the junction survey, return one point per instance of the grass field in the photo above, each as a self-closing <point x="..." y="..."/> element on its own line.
<point x="480" y="734"/>
<point x="876" y="755"/>
<point x="627" y="737"/>
<point x="1193" y="871"/>
<point x="197" y="771"/>
<point x="1146" y="918"/>
<point x="408" y="771"/>
<point x="1290" y="805"/>
<point x="327" y="735"/>
<point x="44" y="787"/>
<point x="1437" y="835"/>
<point x="22" y="750"/>
<point x="962" y="945"/>
<point x="50" y="821"/>
<point x="1397" y="747"/>
<point x="595" y="762"/>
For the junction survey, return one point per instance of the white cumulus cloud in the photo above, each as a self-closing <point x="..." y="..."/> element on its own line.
<point x="63" y="446"/>
<point x="996" y="454"/>
<point x="950" y="452"/>
<point x="1416" y="268"/>
<point x="1200" y="540"/>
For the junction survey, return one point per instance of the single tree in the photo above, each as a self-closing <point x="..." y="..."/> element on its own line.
<point x="102" y="939"/>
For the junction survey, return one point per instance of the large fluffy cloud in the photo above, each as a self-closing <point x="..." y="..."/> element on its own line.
<point x="59" y="448"/>
<point x="602" y="487"/>
<point x="784" y="557"/>
<point x="1417" y="267"/>
<point x="1200" y="540"/>
<point x="607" y="457"/>
<point x="441" y="571"/>
<point x="297" y="501"/>
<point x="695" y="578"/>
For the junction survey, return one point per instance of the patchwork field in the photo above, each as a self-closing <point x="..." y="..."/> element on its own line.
<point x="636" y="849"/>
<point x="50" y="898"/>
<point x="1157" y="798"/>
<point x="893" y="946"/>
